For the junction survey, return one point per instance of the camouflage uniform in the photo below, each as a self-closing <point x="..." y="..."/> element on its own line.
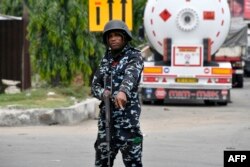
<point x="125" y="128"/>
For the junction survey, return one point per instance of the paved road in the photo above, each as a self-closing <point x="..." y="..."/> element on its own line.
<point x="176" y="135"/>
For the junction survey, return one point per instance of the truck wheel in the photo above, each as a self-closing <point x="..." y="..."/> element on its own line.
<point x="209" y="102"/>
<point x="146" y="102"/>
<point x="239" y="81"/>
<point x="159" y="102"/>
<point x="222" y="103"/>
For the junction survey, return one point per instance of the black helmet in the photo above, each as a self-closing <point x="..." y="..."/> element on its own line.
<point x="116" y="25"/>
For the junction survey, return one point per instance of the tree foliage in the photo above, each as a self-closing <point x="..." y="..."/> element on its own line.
<point x="138" y="12"/>
<point x="11" y="7"/>
<point x="59" y="39"/>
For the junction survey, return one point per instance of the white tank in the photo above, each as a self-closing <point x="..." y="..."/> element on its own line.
<point x="186" y="22"/>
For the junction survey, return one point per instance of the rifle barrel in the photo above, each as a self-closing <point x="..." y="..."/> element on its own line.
<point x="107" y="124"/>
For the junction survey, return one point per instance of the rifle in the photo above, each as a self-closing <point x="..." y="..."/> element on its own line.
<point x="107" y="99"/>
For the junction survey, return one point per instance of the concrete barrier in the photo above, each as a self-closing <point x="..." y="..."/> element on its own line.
<point x="87" y="109"/>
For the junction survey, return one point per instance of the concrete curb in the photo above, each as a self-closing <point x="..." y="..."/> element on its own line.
<point x="87" y="109"/>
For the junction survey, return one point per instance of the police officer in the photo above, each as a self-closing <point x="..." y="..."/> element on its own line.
<point x="125" y="64"/>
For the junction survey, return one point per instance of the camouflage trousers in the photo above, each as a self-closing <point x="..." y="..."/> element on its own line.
<point x="128" y="141"/>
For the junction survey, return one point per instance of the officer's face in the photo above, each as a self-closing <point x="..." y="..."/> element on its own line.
<point x="116" y="40"/>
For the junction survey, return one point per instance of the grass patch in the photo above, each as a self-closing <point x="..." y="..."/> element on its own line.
<point x="45" y="97"/>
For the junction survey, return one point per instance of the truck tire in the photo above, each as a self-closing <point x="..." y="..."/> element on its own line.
<point x="222" y="103"/>
<point x="146" y="102"/>
<point x="209" y="102"/>
<point x="213" y="103"/>
<point x="239" y="80"/>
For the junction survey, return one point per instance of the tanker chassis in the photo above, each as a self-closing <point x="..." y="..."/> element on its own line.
<point x="234" y="50"/>
<point x="178" y="62"/>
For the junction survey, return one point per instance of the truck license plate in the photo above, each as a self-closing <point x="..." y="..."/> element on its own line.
<point x="186" y="80"/>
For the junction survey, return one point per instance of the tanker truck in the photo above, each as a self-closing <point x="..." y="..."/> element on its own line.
<point x="182" y="37"/>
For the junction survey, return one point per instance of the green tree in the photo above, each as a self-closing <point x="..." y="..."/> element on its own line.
<point x="138" y="12"/>
<point x="11" y="7"/>
<point x="60" y="41"/>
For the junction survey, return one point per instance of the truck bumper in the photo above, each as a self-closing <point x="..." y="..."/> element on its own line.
<point x="154" y="94"/>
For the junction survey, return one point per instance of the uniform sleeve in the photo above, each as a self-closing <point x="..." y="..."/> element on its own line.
<point x="97" y="87"/>
<point x="132" y="74"/>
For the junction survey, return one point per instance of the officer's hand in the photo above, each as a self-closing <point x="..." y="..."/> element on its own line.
<point x="120" y="100"/>
<point x="106" y="93"/>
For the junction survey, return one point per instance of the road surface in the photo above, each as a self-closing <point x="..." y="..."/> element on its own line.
<point x="175" y="135"/>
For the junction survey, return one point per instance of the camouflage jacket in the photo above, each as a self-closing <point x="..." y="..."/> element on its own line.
<point x="126" y="73"/>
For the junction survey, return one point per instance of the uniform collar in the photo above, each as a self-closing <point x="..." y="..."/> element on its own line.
<point x="123" y="50"/>
<point x="121" y="53"/>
